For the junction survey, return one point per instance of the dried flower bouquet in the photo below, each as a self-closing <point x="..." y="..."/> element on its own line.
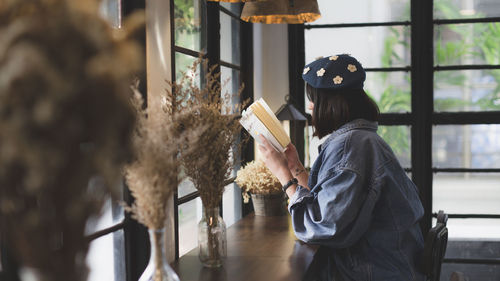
<point x="256" y="178"/>
<point x="209" y="161"/>
<point x="154" y="174"/>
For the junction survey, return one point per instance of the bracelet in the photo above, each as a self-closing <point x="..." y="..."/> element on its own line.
<point x="290" y="183"/>
<point x="298" y="172"/>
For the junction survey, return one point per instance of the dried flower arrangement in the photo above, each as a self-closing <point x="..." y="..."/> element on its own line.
<point x="65" y="122"/>
<point x="210" y="160"/>
<point x="154" y="174"/>
<point x="256" y="178"/>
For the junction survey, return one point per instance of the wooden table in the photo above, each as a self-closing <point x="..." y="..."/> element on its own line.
<point x="258" y="248"/>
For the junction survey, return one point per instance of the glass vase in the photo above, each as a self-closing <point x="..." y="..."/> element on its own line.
<point x="158" y="268"/>
<point x="212" y="241"/>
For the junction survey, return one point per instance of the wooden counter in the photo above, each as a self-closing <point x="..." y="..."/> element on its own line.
<point x="258" y="248"/>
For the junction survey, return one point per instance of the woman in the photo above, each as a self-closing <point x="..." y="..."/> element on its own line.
<point x="357" y="201"/>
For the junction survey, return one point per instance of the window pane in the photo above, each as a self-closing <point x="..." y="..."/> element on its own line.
<point x="390" y="90"/>
<point x="100" y="259"/>
<point x="229" y="39"/>
<point x="467" y="44"/>
<point x="110" y="11"/>
<point x="189" y="216"/>
<point x="469" y="146"/>
<point x="456" y="9"/>
<point x="230" y="79"/>
<point x="366" y="11"/>
<point x="183" y="64"/>
<point x="487" y="229"/>
<point x="185" y="187"/>
<point x="190" y="24"/>
<point x="398" y="138"/>
<point x="106" y="258"/>
<point x="389" y="45"/>
<point x="111" y="214"/>
<point x="235" y="8"/>
<point x="467" y="90"/>
<point x="467" y="193"/>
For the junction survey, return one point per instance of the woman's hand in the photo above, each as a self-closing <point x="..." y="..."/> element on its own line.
<point x="275" y="161"/>
<point x="292" y="156"/>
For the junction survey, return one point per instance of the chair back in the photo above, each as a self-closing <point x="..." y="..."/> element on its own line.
<point x="435" y="248"/>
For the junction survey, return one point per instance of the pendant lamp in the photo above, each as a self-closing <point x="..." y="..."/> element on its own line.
<point x="281" y="11"/>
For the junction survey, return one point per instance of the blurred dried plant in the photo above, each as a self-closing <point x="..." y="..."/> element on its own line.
<point x="206" y="110"/>
<point x="154" y="174"/>
<point x="256" y="178"/>
<point x="65" y="125"/>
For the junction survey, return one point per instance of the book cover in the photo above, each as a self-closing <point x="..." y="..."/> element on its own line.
<point x="258" y="119"/>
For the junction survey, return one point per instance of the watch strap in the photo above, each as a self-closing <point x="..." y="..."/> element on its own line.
<point x="290" y="183"/>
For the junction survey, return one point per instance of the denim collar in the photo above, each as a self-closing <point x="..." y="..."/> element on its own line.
<point x="352" y="125"/>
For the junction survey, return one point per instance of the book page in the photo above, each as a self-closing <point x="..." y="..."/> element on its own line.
<point x="272" y="123"/>
<point x="255" y="127"/>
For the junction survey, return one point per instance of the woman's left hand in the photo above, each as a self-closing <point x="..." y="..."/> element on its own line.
<point x="275" y="161"/>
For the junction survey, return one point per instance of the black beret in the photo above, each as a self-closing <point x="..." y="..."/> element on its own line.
<point x="335" y="72"/>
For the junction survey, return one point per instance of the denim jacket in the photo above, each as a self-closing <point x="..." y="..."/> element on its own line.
<point x="362" y="207"/>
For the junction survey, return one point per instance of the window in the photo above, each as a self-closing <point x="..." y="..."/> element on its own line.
<point x="440" y="110"/>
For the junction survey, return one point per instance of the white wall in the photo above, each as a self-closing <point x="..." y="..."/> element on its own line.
<point x="271" y="63"/>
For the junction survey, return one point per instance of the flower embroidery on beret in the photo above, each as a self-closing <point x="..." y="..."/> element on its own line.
<point x="334" y="57"/>
<point x="337" y="80"/>
<point x="320" y="72"/>
<point x="351" y="67"/>
<point x="306" y="70"/>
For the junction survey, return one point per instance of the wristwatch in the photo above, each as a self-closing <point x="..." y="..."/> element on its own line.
<point x="290" y="183"/>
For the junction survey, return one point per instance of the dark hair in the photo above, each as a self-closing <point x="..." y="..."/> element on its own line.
<point x="334" y="108"/>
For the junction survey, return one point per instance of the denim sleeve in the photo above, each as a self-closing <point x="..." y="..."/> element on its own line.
<point x="337" y="215"/>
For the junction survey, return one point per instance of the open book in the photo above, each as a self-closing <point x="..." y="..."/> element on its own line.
<point x="258" y="119"/>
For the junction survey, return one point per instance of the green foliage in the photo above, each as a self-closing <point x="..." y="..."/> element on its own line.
<point x="483" y="47"/>
<point x="446" y="9"/>
<point x="394" y="99"/>
<point x="184" y="14"/>
<point x="451" y="52"/>
<point x="189" y="24"/>
<point x="398" y="139"/>
<point x="489" y="42"/>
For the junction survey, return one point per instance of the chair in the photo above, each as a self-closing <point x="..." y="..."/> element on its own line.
<point x="435" y="248"/>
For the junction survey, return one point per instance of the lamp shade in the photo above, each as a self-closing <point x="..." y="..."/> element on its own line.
<point x="281" y="11"/>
